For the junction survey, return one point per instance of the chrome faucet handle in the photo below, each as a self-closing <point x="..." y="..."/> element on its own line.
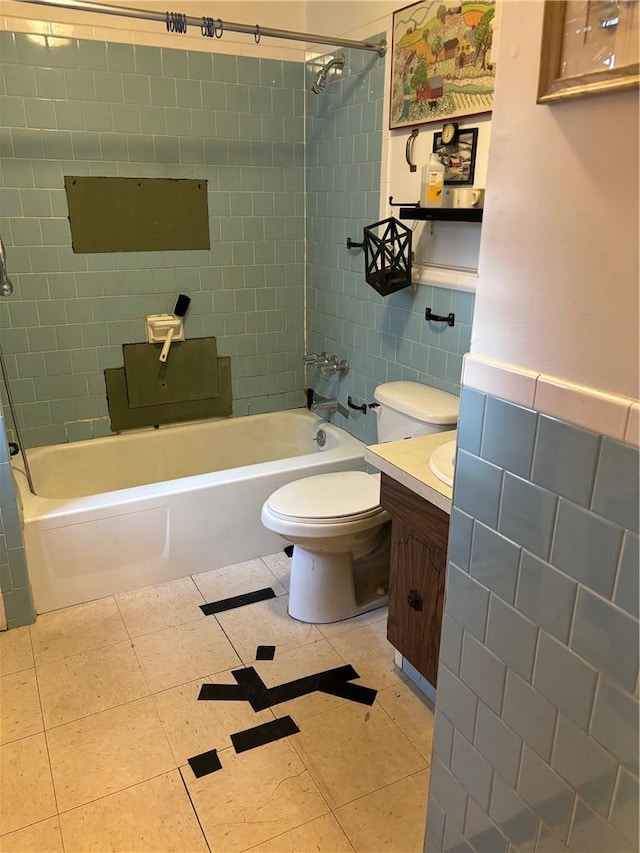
<point x="332" y="365"/>
<point x="328" y="366"/>
<point x="316" y="360"/>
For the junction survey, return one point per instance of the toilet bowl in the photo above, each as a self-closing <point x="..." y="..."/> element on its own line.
<point x="340" y="563"/>
<point x="341" y="534"/>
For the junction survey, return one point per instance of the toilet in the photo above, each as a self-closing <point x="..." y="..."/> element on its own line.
<point x="341" y="534"/>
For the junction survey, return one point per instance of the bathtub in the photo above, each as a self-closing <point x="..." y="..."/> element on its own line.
<point x="118" y="513"/>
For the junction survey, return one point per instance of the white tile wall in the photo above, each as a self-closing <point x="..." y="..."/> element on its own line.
<point x="608" y="414"/>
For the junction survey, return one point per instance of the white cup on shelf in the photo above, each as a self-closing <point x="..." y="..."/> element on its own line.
<point x="468" y="197"/>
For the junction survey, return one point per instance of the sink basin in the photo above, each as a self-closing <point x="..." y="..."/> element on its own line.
<point x="442" y="461"/>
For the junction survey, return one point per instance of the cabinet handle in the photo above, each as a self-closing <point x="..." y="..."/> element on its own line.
<point x="414" y="600"/>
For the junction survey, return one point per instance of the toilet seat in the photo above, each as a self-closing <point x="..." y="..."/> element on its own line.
<point x="340" y="497"/>
<point x="326" y="506"/>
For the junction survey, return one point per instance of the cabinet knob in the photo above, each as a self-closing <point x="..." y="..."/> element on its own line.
<point x="414" y="600"/>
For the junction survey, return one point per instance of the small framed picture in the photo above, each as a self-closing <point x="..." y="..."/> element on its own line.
<point x="458" y="158"/>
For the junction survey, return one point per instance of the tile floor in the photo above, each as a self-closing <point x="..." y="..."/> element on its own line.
<point x="99" y="714"/>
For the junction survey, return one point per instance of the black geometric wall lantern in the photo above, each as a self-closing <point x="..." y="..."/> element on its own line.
<point x="387" y="254"/>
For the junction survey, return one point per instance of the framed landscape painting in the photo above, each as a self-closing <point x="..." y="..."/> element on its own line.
<point x="441" y="63"/>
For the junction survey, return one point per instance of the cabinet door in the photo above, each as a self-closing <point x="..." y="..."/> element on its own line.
<point x="419" y="533"/>
<point x="416" y="598"/>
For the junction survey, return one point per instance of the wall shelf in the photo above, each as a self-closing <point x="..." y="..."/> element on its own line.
<point x="442" y="214"/>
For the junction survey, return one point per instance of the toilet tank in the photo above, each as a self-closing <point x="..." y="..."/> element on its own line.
<point x="408" y="409"/>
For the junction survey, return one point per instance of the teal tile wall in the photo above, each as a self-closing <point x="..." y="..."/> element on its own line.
<point x="538" y="678"/>
<point x="383" y="338"/>
<point x="89" y="108"/>
<point x="14" y="580"/>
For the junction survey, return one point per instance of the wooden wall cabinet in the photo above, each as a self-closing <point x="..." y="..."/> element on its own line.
<point x="419" y="533"/>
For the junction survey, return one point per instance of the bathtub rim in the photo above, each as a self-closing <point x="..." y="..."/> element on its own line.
<point x="47" y="509"/>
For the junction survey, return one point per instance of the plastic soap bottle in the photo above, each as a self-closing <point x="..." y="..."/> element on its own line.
<point x="432" y="183"/>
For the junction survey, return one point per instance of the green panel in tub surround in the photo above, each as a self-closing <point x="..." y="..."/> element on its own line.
<point x="124" y="417"/>
<point x="98" y="110"/>
<point x="137" y="214"/>
<point x="189" y="373"/>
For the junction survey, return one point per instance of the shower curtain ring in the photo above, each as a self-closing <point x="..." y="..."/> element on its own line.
<point x="217" y="30"/>
<point x="257" y="34"/>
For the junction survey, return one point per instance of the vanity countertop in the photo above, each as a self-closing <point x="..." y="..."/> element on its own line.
<point x="407" y="461"/>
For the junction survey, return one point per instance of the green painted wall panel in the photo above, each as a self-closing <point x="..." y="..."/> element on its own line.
<point x="137" y="214"/>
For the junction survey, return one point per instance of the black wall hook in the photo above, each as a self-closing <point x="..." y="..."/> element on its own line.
<point x="352" y="245"/>
<point x="363" y="407"/>
<point x="450" y="319"/>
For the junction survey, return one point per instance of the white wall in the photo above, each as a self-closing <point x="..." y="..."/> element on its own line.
<point x="276" y="14"/>
<point x="343" y="18"/>
<point x="558" y="284"/>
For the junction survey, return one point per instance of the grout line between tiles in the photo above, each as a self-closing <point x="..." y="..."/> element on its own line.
<point x="193" y="806"/>
<point x="126" y="628"/>
<point x="141" y="668"/>
<point x="383" y="787"/>
<point x="120" y="790"/>
<point x="96" y="713"/>
<point x="55" y="816"/>
<point x="46" y="741"/>
<point x="229" y="640"/>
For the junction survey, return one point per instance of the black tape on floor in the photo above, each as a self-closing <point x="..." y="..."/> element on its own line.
<point x="223" y="693"/>
<point x="205" y="763"/>
<point x="237" y="601"/>
<point x="332" y="681"/>
<point x="309" y="684"/>
<point x="346" y="690"/>
<point x="265" y="652"/>
<point x="266" y="733"/>
<point x="256" y="690"/>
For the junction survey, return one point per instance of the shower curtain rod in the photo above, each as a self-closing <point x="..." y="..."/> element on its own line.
<point x="250" y="29"/>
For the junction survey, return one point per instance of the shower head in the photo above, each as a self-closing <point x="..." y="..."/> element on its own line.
<point x="320" y="82"/>
<point x="6" y="287"/>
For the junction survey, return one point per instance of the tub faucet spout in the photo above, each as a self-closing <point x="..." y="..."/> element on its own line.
<point x="327" y="406"/>
<point x="321" y="406"/>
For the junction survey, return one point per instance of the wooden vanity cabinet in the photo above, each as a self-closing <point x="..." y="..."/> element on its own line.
<point x="419" y="533"/>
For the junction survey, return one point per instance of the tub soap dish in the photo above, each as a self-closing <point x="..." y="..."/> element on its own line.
<point x="158" y="326"/>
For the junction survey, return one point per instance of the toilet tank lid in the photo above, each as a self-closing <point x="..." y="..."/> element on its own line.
<point x="419" y="401"/>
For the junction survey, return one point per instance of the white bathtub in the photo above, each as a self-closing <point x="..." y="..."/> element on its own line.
<point x="118" y="513"/>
